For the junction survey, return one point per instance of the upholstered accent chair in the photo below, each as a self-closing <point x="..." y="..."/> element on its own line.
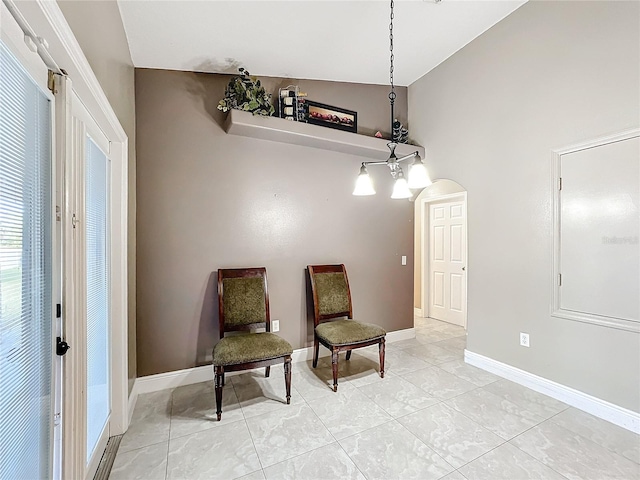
<point x="333" y="318"/>
<point x="243" y="306"/>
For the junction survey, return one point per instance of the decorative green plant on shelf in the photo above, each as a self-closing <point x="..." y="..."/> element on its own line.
<point x="245" y="92"/>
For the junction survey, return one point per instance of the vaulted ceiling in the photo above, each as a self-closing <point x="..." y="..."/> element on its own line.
<point x="323" y="39"/>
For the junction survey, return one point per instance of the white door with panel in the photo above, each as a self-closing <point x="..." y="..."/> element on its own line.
<point x="447" y="262"/>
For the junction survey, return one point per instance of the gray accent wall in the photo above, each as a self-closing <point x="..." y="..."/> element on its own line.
<point x="549" y="75"/>
<point x="208" y="200"/>
<point x="97" y="25"/>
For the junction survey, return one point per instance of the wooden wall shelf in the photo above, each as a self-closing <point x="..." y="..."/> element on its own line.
<point x="299" y="133"/>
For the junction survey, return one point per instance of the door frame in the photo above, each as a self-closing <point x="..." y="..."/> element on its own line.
<point x="425" y="245"/>
<point x="46" y="18"/>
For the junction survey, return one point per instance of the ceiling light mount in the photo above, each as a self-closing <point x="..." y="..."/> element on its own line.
<point x="418" y="176"/>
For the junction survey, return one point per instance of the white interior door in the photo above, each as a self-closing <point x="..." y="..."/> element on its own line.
<point x="447" y="262"/>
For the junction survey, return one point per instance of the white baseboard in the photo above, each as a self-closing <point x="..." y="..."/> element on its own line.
<point x="133" y="398"/>
<point x="179" y="378"/>
<point x="399" y="335"/>
<point x="600" y="408"/>
<point x="417" y="312"/>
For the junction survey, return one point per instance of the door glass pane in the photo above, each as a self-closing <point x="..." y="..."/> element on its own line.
<point x="25" y="274"/>
<point x="96" y="201"/>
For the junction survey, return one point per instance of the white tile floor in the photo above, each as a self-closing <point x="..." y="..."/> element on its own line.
<point x="431" y="417"/>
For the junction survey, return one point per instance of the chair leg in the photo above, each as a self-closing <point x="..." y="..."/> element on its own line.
<point x="267" y="371"/>
<point x="349" y="354"/>
<point x="219" y="381"/>
<point x="334" y="366"/>
<point x="287" y="377"/>
<point x="316" y="348"/>
<point x="381" y="348"/>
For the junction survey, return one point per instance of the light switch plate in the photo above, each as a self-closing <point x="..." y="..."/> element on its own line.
<point x="275" y="325"/>
<point x="404" y="259"/>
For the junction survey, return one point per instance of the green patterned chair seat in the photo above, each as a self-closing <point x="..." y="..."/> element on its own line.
<point x="252" y="347"/>
<point x="345" y="332"/>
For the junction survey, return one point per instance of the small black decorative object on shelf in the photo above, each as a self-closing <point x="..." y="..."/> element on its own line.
<point x="400" y="133"/>
<point x="332" y="117"/>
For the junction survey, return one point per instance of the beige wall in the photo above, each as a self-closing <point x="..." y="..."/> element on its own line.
<point x="549" y="75"/>
<point x="97" y="26"/>
<point x="208" y="200"/>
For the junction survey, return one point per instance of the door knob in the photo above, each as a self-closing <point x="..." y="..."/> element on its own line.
<point x="464" y="268"/>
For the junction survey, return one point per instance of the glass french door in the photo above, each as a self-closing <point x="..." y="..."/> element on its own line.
<point x="97" y="294"/>
<point x="92" y="246"/>
<point x="26" y="268"/>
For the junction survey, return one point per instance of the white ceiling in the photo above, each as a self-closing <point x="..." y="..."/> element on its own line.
<point x="321" y="40"/>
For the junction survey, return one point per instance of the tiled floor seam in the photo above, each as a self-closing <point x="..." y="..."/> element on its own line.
<point x="237" y="398"/>
<point x="587" y="438"/>
<point x="457" y="376"/>
<point x="250" y="435"/>
<point x="429" y="447"/>
<point x="356" y="465"/>
<point x="320" y="420"/>
<point x="250" y="473"/>
<point x="509" y="440"/>
<point x="404" y="414"/>
<point x="528" y="429"/>
<point x="166" y="463"/>
<point x="305" y="403"/>
<point x="365" y="430"/>
<point x="481" y="426"/>
<point x="141" y="447"/>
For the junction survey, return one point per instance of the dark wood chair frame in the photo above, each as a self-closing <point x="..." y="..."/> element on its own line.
<point x="219" y="370"/>
<point x="318" y="319"/>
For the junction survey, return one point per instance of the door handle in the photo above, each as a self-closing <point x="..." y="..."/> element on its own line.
<point x="61" y="346"/>
<point x="464" y="268"/>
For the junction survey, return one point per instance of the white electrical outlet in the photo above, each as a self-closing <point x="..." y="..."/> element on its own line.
<point x="275" y="325"/>
<point x="524" y="339"/>
<point x="404" y="259"/>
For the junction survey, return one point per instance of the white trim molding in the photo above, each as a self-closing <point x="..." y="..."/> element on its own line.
<point x="623" y="417"/>
<point x="556" y="187"/>
<point x="179" y="378"/>
<point x="417" y="312"/>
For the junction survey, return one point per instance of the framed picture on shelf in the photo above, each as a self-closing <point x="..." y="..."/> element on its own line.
<point x="332" y="117"/>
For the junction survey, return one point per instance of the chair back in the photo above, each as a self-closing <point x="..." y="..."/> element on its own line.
<point x="331" y="293"/>
<point x="243" y="299"/>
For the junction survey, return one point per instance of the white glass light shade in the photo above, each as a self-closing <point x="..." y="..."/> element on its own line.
<point x="418" y="176"/>
<point x="364" y="186"/>
<point x="401" y="188"/>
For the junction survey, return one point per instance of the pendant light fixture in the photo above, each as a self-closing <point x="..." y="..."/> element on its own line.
<point x="418" y="176"/>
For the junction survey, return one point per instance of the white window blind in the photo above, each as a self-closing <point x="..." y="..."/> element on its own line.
<point x="96" y="202"/>
<point x="25" y="274"/>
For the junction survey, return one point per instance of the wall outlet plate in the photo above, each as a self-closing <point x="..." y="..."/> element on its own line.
<point x="524" y="339"/>
<point x="275" y="325"/>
